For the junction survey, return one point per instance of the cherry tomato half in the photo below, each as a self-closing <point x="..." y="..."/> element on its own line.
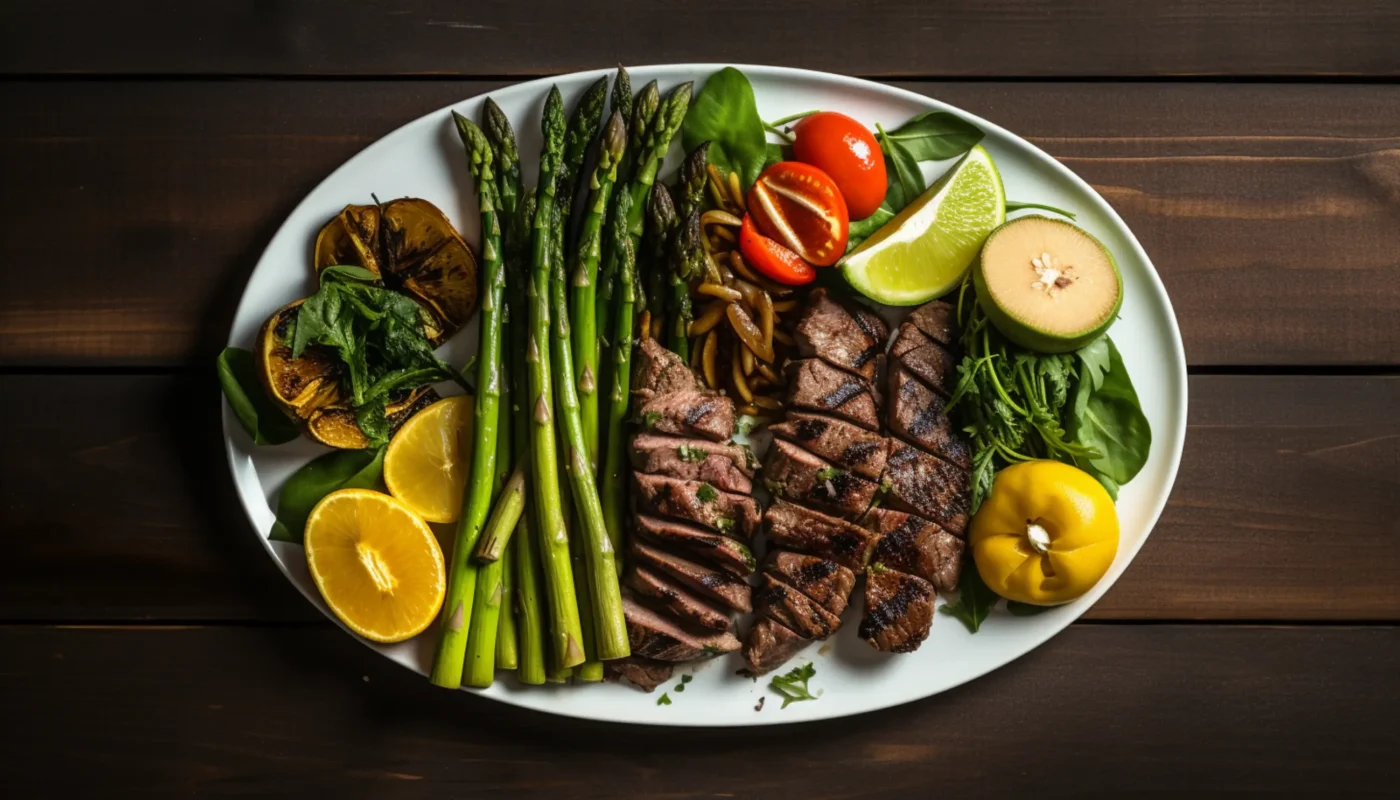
<point x="800" y="206"/>
<point x="847" y="151"/>
<point x="772" y="259"/>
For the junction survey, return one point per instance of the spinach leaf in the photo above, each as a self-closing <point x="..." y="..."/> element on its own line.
<point x="725" y="114"/>
<point x="342" y="469"/>
<point x="906" y="168"/>
<point x="1107" y="417"/>
<point x="776" y="152"/>
<point x="975" y="601"/>
<point x="936" y="135"/>
<point x="260" y="418"/>
<point x="1025" y="609"/>
<point x="1012" y="205"/>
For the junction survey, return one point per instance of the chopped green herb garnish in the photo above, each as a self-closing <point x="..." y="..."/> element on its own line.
<point x="687" y="678"/>
<point x="689" y="454"/>
<point x="792" y="687"/>
<point x="747" y="424"/>
<point x="663" y="700"/>
<point x="706" y="493"/>
<point x="829" y="473"/>
<point x="750" y="460"/>
<point x="650" y="419"/>
<point x="724" y="524"/>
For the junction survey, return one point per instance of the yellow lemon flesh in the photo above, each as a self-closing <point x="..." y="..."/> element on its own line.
<point x="377" y="564"/>
<point x="427" y="462"/>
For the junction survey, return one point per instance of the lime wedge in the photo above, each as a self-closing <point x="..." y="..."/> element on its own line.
<point x="926" y="249"/>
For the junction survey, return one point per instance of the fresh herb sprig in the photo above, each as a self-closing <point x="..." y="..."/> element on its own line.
<point x="793" y="687"/>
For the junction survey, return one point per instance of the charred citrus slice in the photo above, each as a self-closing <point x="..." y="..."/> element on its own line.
<point x="427" y="462"/>
<point x="376" y="563"/>
<point x="351" y="237"/>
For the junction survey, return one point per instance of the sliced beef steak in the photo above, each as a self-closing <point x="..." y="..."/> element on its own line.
<point x="928" y="486"/>
<point x="933" y="363"/>
<point x="724" y="466"/>
<point x="938" y="321"/>
<point x="720" y="587"/>
<point x="660" y="371"/>
<point x="733" y="514"/>
<point x="816" y="385"/>
<point x="828" y="583"/>
<point x="803" y="529"/>
<point x="910" y="543"/>
<point x="794" y="474"/>
<point x="726" y="553"/>
<point x="843" y="444"/>
<point x="898" y="610"/>
<point x="680" y="602"/>
<point x="917" y="414"/>
<point x="654" y="636"/>
<point x="851" y="339"/>
<point x="690" y="412"/>
<point x="769" y="645"/>
<point x="644" y="673"/>
<point x="795" y="610"/>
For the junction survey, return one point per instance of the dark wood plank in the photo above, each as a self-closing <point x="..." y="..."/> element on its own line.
<point x="890" y="38"/>
<point x="117" y="505"/>
<point x="1270" y="210"/>
<point x="1101" y="710"/>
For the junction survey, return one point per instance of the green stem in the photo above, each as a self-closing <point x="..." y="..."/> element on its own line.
<point x="614" y="458"/>
<point x="486" y="618"/>
<point x="529" y="604"/>
<point x="509" y="506"/>
<point x="462" y="575"/>
<point x="791" y="118"/>
<point x="772" y="127"/>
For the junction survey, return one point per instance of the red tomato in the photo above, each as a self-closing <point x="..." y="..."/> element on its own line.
<point x="800" y="206"/>
<point x="772" y="259"/>
<point x="847" y="151"/>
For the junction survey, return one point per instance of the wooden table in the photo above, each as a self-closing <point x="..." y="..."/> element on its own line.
<point x="151" y="149"/>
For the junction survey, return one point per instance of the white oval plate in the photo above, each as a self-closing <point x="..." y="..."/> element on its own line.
<point x="425" y="159"/>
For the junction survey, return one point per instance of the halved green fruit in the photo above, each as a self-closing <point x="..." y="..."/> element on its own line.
<point x="1047" y="285"/>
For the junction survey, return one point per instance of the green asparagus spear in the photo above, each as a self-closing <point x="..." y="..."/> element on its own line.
<point x="687" y="263"/>
<point x="654" y="263"/>
<point x="502" y="137"/>
<point x="690" y="182"/>
<point x="565" y="629"/>
<point x="644" y="109"/>
<point x="614" y="489"/>
<point x="462" y="576"/>
<point x="529" y="601"/>
<point x="508" y="636"/>
<point x="651" y="151"/>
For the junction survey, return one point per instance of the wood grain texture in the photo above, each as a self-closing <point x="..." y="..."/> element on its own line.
<point x="888" y="38"/>
<point x="1117" y="710"/>
<point x="1272" y="212"/>
<point x="116" y="505"/>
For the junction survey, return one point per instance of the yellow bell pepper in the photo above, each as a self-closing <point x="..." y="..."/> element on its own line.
<point x="1046" y="535"/>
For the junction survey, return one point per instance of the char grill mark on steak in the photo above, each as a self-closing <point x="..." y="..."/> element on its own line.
<point x="918" y="415"/>
<point x="732" y="514"/>
<point x="928" y="486"/>
<point x="802" y="529"/>
<point x="795" y="610"/>
<point x="910" y="543"/>
<point x="769" y="645"/>
<point x="816" y="385"/>
<point x="689" y="412"/>
<point x="678" y="601"/>
<point x="826" y="582"/>
<point x="795" y="474"/>
<point x="652" y="635"/>
<point x="898" y="610"/>
<point x="938" y="321"/>
<point x="845" y="445"/>
<point x="930" y="361"/>
<point x="851" y="339"/>
<point x="720" y="550"/>
<point x="644" y="673"/>
<point x="725" y="466"/>
<point x="720" y="587"/>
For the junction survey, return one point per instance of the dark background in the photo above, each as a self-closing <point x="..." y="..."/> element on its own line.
<point x="150" y="149"/>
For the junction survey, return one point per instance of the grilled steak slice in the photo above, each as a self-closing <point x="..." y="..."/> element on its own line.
<point x="928" y="486"/>
<point x="848" y="338"/>
<point x="720" y="550"/>
<point x="769" y="645"/>
<point x="690" y="412"/>
<point x="660" y="371"/>
<point x="733" y="514"/>
<point x="837" y="441"/>
<point x="898" y="610"/>
<point x="803" y="529"/>
<point x="654" y="636"/>
<point x="794" y="474"/>
<point x="721" y="587"/>
<point x="643" y="673"/>
<point x="724" y="466"/>
<point x="912" y="544"/>
<point x="918" y="415"/>
<point x="816" y="385"/>
<point x="829" y="584"/>
<point x="930" y="361"/>
<point x="938" y="321"/>
<point x="678" y="601"/>
<point x="795" y="610"/>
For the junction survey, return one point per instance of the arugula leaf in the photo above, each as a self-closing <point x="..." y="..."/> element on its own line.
<point x="1012" y="205"/>
<point x="975" y="601"/>
<point x="255" y="411"/>
<point x="792" y="687"/>
<point x="1107" y="417"/>
<point x="342" y="469"/>
<point x="936" y="135"/>
<point x="725" y="114"/>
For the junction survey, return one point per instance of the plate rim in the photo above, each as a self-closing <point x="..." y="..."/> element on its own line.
<point x="536" y="700"/>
